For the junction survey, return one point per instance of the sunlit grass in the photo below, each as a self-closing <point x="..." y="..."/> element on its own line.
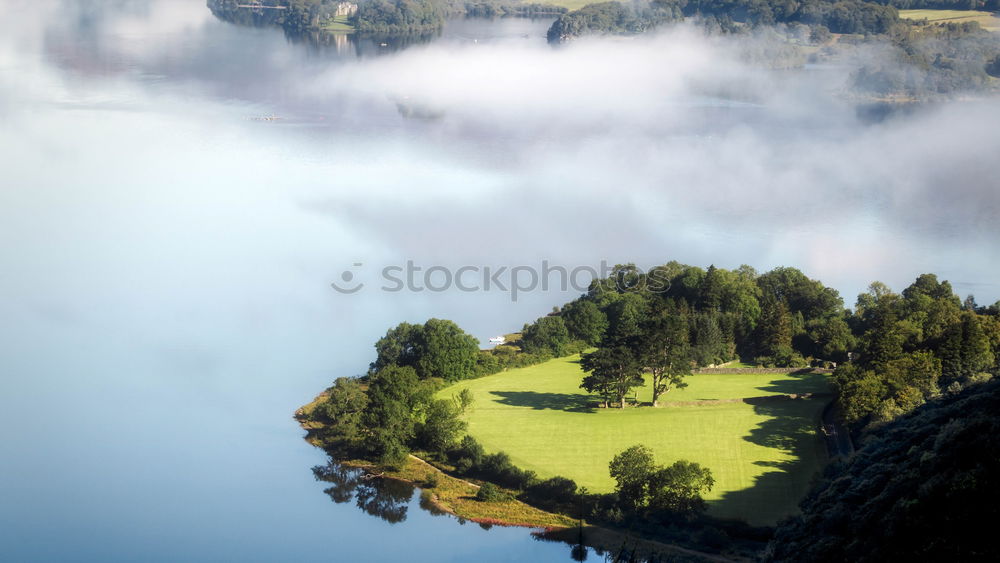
<point x="568" y="4"/>
<point x="761" y="455"/>
<point x="459" y="497"/>
<point x="339" y="24"/>
<point x="986" y="19"/>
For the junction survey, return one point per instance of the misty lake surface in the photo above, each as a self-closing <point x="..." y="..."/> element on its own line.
<point x="177" y="194"/>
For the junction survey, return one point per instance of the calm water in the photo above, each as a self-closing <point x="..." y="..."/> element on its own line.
<point x="166" y="255"/>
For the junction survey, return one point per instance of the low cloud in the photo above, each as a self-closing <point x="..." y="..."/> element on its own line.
<point x="674" y="145"/>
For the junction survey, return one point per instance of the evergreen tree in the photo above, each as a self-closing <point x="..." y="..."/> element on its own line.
<point x="664" y="351"/>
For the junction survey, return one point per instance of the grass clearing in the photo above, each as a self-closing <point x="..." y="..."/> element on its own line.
<point x="568" y="4"/>
<point x="762" y="455"/>
<point x="987" y="20"/>
<point x="339" y="24"/>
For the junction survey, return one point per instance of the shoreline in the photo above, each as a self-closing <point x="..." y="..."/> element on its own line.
<point x="456" y="496"/>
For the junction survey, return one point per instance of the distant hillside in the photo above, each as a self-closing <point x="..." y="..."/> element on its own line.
<point x="925" y="487"/>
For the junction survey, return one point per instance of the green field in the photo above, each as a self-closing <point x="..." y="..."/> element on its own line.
<point x="762" y="455"/>
<point x="568" y="4"/>
<point x="339" y="24"/>
<point x="986" y="19"/>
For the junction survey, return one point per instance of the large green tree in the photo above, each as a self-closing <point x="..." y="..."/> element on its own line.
<point x="585" y="321"/>
<point x="631" y="470"/>
<point x="447" y="351"/>
<point x="546" y="335"/>
<point x="438" y="348"/>
<point x="642" y="486"/>
<point x="400" y="346"/>
<point x="678" y="488"/>
<point x="613" y="371"/>
<point x="664" y="351"/>
<point x="441" y="426"/>
<point x="343" y="409"/>
<point x="395" y="394"/>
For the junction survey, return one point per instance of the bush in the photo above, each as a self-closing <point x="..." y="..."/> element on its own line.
<point x="432" y="480"/>
<point x="463" y="465"/>
<point x="491" y="493"/>
<point x="468" y="454"/>
<point x="557" y="493"/>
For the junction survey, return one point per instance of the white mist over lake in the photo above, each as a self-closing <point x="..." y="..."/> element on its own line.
<point x="166" y="255"/>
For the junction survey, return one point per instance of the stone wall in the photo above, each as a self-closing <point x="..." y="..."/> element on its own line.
<point x="763" y="370"/>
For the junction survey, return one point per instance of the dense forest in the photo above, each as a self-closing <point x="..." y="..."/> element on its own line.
<point x="925" y="487"/>
<point x="904" y="365"/>
<point x="613" y="18"/>
<point x="913" y="59"/>
<point x="374" y="16"/>
<point x="843" y="16"/>
<point x="379" y="17"/>
<point x="891" y="353"/>
<point x="987" y="5"/>
<point x="916" y="61"/>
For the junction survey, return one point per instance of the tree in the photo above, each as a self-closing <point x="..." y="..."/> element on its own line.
<point x="897" y="387"/>
<point x="631" y="470"/>
<point x="389" y="419"/>
<point x="624" y="316"/>
<point x="664" y="351"/>
<point x="441" y="426"/>
<point x="925" y="487"/>
<point x="344" y="408"/>
<point x="977" y="355"/>
<point x="438" y="348"/>
<point x="774" y="333"/>
<point x="400" y="346"/>
<point x="861" y="392"/>
<point x="830" y="338"/>
<point x="615" y="367"/>
<point x="799" y="293"/>
<point x="965" y="349"/>
<point x="585" y="321"/>
<point x="877" y="312"/>
<point x="710" y="290"/>
<point x="709" y="345"/>
<point x="687" y="284"/>
<point x="741" y="297"/>
<point x="446" y="351"/>
<point x="642" y="485"/>
<point x="547" y="335"/>
<point x="613" y="372"/>
<point x="820" y="35"/>
<point x="678" y="488"/>
<point x="463" y="400"/>
<point x="918" y="370"/>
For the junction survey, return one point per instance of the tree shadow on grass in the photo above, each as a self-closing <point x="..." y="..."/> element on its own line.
<point x="791" y="428"/>
<point x="799" y="383"/>
<point x="569" y="402"/>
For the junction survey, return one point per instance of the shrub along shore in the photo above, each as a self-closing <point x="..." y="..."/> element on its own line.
<point x="639" y="336"/>
<point x="447" y="493"/>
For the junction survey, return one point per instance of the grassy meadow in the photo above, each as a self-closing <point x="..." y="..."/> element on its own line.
<point x="568" y="4"/>
<point x="986" y="19"/>
<point x="762" y="455"/>
<point x="339" y="24"/>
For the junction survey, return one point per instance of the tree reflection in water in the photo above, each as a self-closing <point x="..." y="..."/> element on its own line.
<point x="387" y="499"/>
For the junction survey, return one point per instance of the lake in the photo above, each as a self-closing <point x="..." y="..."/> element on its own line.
<point x="178" y="193"/>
